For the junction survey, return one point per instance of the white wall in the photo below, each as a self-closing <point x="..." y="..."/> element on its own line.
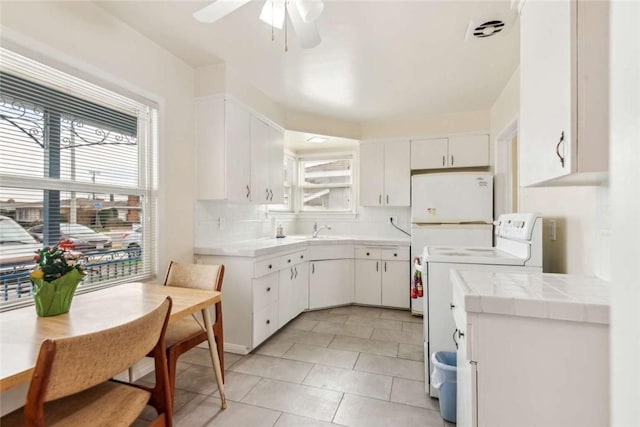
<point x="580" y="213"/>
<point x="625" y="207"/>
<point x="96" y="46"/>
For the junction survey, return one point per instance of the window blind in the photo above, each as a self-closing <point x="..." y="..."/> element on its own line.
<point x="77" y="163"/>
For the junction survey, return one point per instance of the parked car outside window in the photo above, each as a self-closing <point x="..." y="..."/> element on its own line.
<point x="132" y="239"/>
<point x="83" y="238"/>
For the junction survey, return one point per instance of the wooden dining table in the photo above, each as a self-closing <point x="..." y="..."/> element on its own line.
<point x="22" y="331"/>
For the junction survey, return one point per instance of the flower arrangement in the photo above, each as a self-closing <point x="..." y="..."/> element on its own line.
<point x="54" y="262"/>
<point x="55" y="279"/>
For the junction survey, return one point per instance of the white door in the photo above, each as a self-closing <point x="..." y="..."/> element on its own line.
<point x="329" y="283"/>
<point x="395" y="278"/>
<point x="238" y="152"/>
<point x="371" y="174"/>
<point x="301" y="284"/>
<point x="547" y="61"/>
<point x="397" y="173"/>
<point x="368" y="281"/>
<point x="452" y="197"/>
<point x="276" y="165"/>
<point x="259" y="161"/>
<point x="429" y="153"/>
<point x="467" y="151"/>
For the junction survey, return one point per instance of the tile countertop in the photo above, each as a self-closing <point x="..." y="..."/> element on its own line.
<point x="548" y="296"/>
<point x="267" y="246"/>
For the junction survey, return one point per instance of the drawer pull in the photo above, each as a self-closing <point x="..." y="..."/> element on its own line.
<point x="269" y="289"/>
<point x="268" y="321"/>
<point x="367" y="253"/>
<point x="395" y="254"/>
<point x="270" y="266"/>
<point x="288" y="260"/>
<point x="301" y="256"/>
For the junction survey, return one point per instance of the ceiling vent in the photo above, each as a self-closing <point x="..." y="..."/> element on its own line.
<point x="488" y="28"/>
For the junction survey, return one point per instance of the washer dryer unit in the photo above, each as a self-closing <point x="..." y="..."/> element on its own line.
<point x="518" y="247"/>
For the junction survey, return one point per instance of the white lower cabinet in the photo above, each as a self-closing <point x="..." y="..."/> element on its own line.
<point x="382" y="276"/>
<point x="329" y="283"/>
<point x="293" y="292"/>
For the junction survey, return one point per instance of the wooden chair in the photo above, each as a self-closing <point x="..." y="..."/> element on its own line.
<point x="187" y="333"/>
<point x="71" y="387"/>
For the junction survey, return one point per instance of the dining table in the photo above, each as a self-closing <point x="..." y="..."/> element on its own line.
<point x="22" y="331"/>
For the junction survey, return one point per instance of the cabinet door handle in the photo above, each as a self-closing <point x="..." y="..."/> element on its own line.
<point x="452" y="306"/>
<point x="296" y="270"/>
<point x="377" y="265"/>
<point x="558" y="149"/>
<point x="267" y="192"/>
<point x="387" y="199"/>
<point x="268" y="321"/>
<point x="385" y="266"/>
<point x="291" y="278"/>
<point x="443" y="160"/>
<point x="270" y="194"/>
<point x="379" y="199"/>
<point x="248" y="191"/>
<point x="289" y="260"/>
<point x="454" y="338"/>
<point x="367" y="253"/>
<point x="451" y="160"/>
<point x="313" y="268"/>
<point x="269" y="289"/>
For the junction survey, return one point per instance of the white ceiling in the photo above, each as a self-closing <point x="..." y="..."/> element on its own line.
<point x="378" y="60"/>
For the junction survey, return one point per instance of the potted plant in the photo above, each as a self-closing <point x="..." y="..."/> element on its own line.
<point x="55" y="279"/>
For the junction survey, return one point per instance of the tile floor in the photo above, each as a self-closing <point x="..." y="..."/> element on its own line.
<point x="351" y="366"/>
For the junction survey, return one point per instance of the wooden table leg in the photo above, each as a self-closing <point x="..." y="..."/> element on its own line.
<point x="213" y="350"/>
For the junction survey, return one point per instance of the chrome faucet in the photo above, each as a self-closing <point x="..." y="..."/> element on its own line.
<point x="316" y="229"/>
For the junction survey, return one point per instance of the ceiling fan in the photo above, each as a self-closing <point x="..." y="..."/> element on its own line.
<point x="302" y="14"/>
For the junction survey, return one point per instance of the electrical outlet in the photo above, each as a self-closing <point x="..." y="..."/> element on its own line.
<point x="221" y="223"/>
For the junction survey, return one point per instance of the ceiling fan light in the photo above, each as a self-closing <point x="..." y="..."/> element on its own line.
<point x="317" y="139"/>
<point x="307" y="32"/>
<point x="273" y="13"/>
<point x="310" y="10"/>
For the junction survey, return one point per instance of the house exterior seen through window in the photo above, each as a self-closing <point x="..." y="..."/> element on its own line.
<point x="77" y="163"/>
<point x="326" y="184"/>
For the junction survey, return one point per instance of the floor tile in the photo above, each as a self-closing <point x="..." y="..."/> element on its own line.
<point x="294" y="399"/>
<point x="303" y="337"/>
<point x="321" y="355"/>
<point x="411" y="352"/>
<point x="237" y="385"/>
<point x="412" y="327"/>
<point x="399" y="337"/>
<point x="403" y="315"/>
<point x="205" y="411"/>
<point x="358" y="311"/>
<point x="181" y="398"/>
<point x="348" y="330"/>
<point x="325" y="316"/>
<point x="412" y="393"/>
<point x="302" y="323"/>
<point x="200" y="356"/>
<point x="392" y="366"/>
<point x="350" y="381"/>
<point x="273" y="348"/>
<point x="361" y="411"/>
<point x="394" y="325"/>
<point x="383" y="348"/>
<point x="197" y="379"/>
<point x="289" y="420"/>
<point x="273" y="367"/>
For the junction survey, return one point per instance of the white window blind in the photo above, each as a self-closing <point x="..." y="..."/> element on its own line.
<point x="77" y="162"/>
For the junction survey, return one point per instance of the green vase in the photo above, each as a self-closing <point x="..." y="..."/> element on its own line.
<point x="53" y="298"/>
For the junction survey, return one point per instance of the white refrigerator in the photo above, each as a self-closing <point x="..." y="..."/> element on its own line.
<point x="450" y="209"/>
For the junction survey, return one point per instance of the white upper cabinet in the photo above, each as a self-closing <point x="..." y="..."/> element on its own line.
<point x="563" y="133"/>
<point x="452" y="152"/>
<point x="223" y="146"/>
<point x="385" y="174"/>
<point x="239" y="156"/>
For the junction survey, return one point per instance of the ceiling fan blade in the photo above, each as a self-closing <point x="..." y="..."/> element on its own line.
<point x="309" y="9"/>
<point x="307" y="32"/>
<point x="218" y="10"/>
<point x="273" y="13"/>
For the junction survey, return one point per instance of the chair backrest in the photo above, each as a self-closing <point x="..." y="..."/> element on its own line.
<point x="67" y="366"/>
<point x="195" y="276"/>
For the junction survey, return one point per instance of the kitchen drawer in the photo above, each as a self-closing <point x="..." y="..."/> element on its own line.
<point x="265" y="291"/>
<point x="368" y="253"/>
<point x="395" y="254"/>
<point x="294" y="258"/>
<point x="265" y="323"/>
<point x="271" y="265"/>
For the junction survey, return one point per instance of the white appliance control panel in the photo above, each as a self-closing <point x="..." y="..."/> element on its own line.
<point x="518" y="226"/>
